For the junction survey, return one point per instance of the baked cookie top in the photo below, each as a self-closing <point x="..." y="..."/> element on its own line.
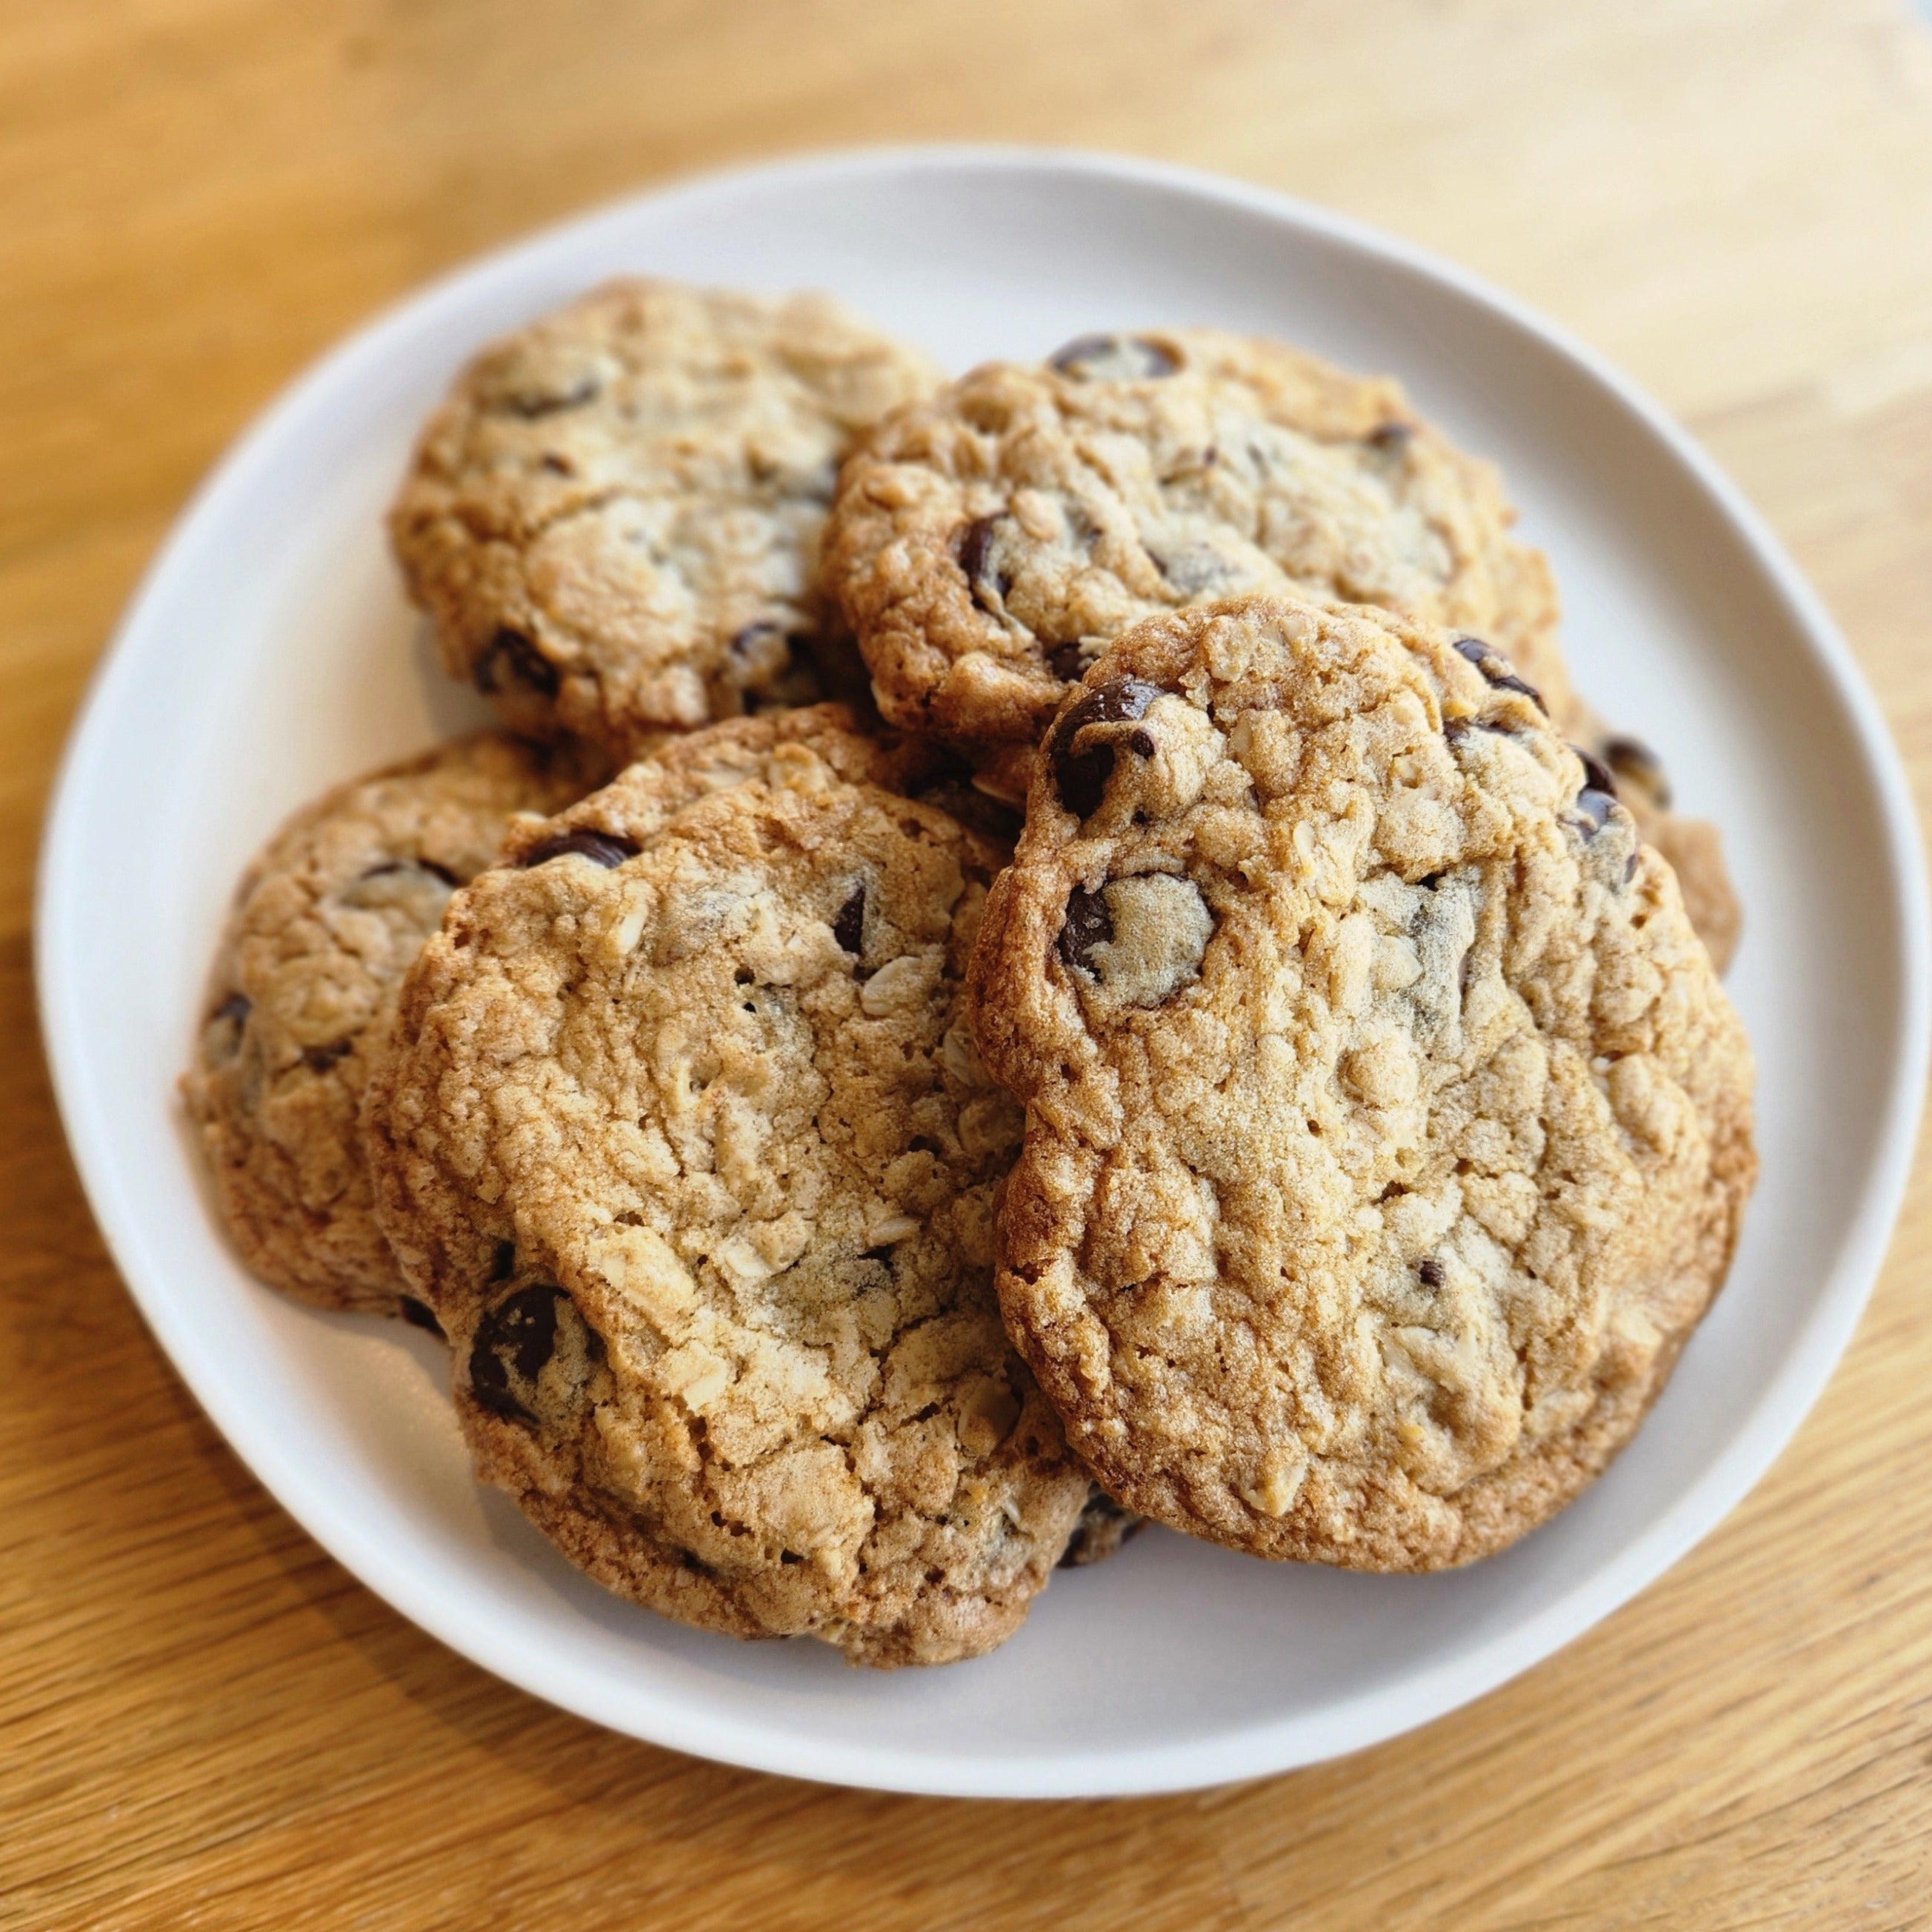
<point x="989" y="542"/>
<point x="614" y="519"/>
<point x="684" y="1137"/>
<point x="1386" y="1130"/>
<point x="326" y="920"/>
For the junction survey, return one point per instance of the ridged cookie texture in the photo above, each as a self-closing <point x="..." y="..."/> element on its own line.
<point x="1387" y="1130"/>
<point x="327" y="920"/>
<point x="614" y="519"/>
<point x="989" y="542"/>
<point x="683" y="1136"/>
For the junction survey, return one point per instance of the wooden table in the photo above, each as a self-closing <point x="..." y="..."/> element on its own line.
<point x="203" y="1721"/>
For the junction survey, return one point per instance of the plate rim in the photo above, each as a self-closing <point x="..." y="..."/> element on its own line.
<point x="1781" y="1405"/>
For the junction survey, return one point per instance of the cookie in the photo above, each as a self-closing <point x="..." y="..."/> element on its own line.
<point x="614" y="519"/>
<point x="327" y="920"/>
<point x="1387" y="1131"/>
<point x="1104" y="1527"/>
<point x="683" y="1137"/>
<point x="989" y="542"/>
<point x="1693" y="846"/>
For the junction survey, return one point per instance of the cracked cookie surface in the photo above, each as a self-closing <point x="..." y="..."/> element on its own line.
<point x="1387" y="1131"/>
<point x="614" y="519"/>
<point x="326" y="921"/>
<point x="987" y="543"/>
<point x="683" y="1136"/>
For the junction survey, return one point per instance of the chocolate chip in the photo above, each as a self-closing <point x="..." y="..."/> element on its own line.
<point x="1103" y="1526"/>
<point x="609" y="849"/>
<point x="1593" y="809"/>
<point x="1087" y="924"/>
<point x="1390" y="436"/>
<point x="236" y="1007"/>
<point x="1598" y="795"/>
<point x="849" y="928"/>
<point x="1113" y="359"/>
<point x="1064" y="660"/>
<point x="1495" y="668"/>
<point x="973" y="548"/>
<point x="1632" y="759"/>
<point x="419" y="1314"/>
<point x="1081" y="776"/>
<point x="531" y="404"/>
<point x="429" y="866"/>
<point x="1596" y="774"/>
<point x="510" y="655"/>
<point x="320" y="1059"/>
<point x="1431" y="1272"/>
<point x="518" y="1335"/>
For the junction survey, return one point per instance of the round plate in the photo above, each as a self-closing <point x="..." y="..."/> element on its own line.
<point x="270" y="652"/>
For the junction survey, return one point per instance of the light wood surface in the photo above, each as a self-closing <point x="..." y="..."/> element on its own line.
<point x="203" y="1721"/>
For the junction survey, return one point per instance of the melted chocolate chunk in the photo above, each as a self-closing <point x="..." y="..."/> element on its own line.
<point x="419" y="1314"/>
<point x="608" y="849"/>
<point x="974" y="546"/>
<point x="1113" y="359"/>
<point x="1632" y="759"/>
<point x="1495" y="668"/>
<point x="511" y="656"/>
<point x="849" y="928"/>
<point x="1080" y="776"/>
<point x="1087" y="924"/>
<point x="517" y="1337"/>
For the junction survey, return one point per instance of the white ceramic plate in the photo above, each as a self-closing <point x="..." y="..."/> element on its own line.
<point x="270" y="652"/>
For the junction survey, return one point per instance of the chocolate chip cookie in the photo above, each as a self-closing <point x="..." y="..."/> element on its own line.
<point x="1387" y="1131"/>
<point x="327" y="920"/>
<point x="683" y="1136"/>
<point x="988" y="543"/>
<point x="614" y="519"/>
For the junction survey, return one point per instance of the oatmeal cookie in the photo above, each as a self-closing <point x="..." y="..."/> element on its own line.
<point x="614" y="519"/>
<point x="683" y="1136"/>
<point x="1387" y="1131"/>
<point x="988" y="543"/>
<point x="327" y="920"/>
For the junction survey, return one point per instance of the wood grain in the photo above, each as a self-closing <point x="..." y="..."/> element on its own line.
<point x="202" y="1720"/>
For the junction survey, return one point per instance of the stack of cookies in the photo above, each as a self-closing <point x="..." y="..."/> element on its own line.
<point x="1029" y="955"/>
